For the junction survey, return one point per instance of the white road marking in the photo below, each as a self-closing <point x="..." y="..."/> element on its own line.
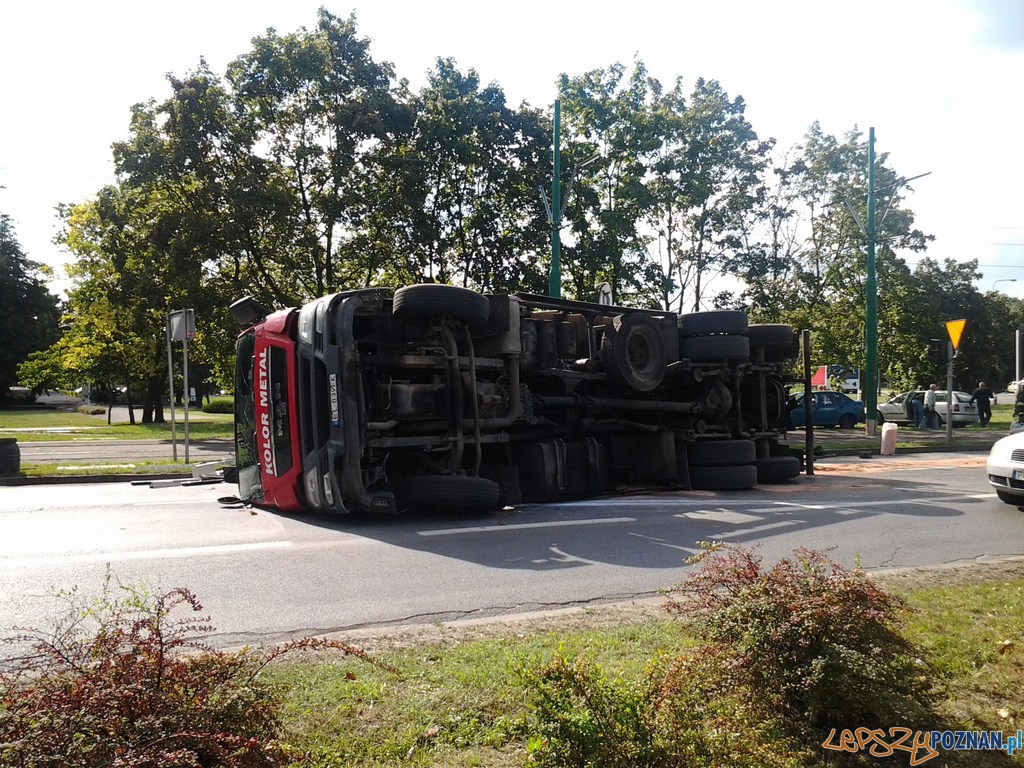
<point x="521" y="526"/>
<point x="142" y="554"/>
<point x="719" y="516"/>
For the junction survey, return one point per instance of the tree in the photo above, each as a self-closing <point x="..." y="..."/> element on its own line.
<point x="806" y="263"/>
<point x="475" y="167"/>
<point x="705" y="186"/>
<point x="29" y="313"/>
<point x="312" y="106"/>
<point x="605" y="129"/>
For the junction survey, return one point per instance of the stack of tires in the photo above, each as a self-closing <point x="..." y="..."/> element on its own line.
<point x="722" y="465"/>
<point x="726" y="337"/>
<point x="714" y="336"/>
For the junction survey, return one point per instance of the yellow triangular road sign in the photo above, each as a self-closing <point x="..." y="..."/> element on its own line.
<point x="955" y="328"/>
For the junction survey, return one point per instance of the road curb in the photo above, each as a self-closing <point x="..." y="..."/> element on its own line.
<point x="75" y="479"/>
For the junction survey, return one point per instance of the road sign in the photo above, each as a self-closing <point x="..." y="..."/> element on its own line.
<point x="955" y="328"/>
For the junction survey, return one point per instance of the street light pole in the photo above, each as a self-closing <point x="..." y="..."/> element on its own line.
<point x="871" y="304"/>
<point x="1016" y="334"/>
<point x="555" y="270"/>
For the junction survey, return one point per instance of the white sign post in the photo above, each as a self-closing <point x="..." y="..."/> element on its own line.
<point x="181" y="326"/>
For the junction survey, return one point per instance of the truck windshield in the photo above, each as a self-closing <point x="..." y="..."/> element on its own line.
<point x="246" y="453"/>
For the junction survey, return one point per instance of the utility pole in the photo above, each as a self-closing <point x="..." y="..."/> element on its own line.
<point x="871" y="304"/>
<point x="555" y="273"/>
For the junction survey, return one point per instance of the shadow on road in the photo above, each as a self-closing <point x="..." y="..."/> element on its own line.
<point x="659" y="530"/>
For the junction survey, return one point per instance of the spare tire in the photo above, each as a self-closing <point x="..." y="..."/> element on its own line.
<point x="720" y="453"/>
<point x="425" y="300"/>
<point x="731" y="321"/>
<point x="633" y="352"/>
<point x="777" y="469"/>
<point x="771" y="334"/>
<point x="714" y="348"/>
<point x="736" y="478"/>
<point x="449" y="492"/>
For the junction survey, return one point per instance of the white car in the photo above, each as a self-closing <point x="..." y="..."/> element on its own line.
<point x="964" y="412"/>
<point x="1005" y="468"/>
<point x="1012" y="387"/>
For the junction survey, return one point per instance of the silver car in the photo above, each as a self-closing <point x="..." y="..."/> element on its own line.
<point x="964" y="412"/>
<point x="1005" y="468"/>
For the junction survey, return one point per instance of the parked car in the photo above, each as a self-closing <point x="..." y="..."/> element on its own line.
<point x="1005" y="467"/>
<point x="964" y="412"/>
<point x="828" y="409"/>
<point x="1012" y="387"/>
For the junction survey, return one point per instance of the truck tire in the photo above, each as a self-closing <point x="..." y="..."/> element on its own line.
<point x="721" y="453"/>
<point x="449" y="492"/>
<point x="730" y="321"/>
<point x="713" y="348"/>
<point x="633" y="353"/>
<point x="432" y="299"/>
<point x="777" y="469"/>
<point x="736" y="478"/>
<point x="770" y="335"/>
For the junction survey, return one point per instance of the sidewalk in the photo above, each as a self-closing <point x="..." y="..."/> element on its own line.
<point x="908" y="439"/>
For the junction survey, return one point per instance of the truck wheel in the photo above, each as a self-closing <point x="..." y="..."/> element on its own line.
<point x="732" y="321"/>
<point x="633" y="353"/>
<point x="714" y="348"/>
<point x="736" y="478"/>
<point x="770" y="335"/>
<point x="431" y="299"/>
<point x="720" y="453"/>
<point x="449" y="492"/>
<point x="777" y="469"/>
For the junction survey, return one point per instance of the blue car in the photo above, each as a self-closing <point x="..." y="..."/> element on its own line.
<point x="828" y="409"/>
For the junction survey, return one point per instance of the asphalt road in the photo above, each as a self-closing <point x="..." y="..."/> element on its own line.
<point x="93" y="451"/>
<point x="264" y="577"/>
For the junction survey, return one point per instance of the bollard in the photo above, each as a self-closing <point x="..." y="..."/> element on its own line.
<point x="10" y="457"/>
<point x="889" y="433"/>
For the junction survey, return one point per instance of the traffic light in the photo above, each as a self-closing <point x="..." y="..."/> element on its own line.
<point x="936" y="351"/>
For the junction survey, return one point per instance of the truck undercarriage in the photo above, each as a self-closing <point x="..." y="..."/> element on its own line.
<point x="437" y="396"/>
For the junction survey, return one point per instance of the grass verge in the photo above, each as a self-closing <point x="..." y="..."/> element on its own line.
<point x="459" y="698"/>
<point x="39" y="424"/>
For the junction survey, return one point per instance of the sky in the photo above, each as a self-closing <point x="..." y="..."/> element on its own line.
<point x="940" y="81"/>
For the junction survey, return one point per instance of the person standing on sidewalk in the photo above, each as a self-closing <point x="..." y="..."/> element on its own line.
<point x="983" y="397"/>
<point x="931" y="416"/>
<point x="917" y="402"/>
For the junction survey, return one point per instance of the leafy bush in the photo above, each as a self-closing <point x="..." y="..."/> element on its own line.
<point x="219" y="405"/>
<point x="677" y="717"/>
<point x="124" y="681"/>
<point x="820" y="642"/>
<point x="15" y="397"/>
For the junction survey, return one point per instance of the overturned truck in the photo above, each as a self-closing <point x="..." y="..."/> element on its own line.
<point x="435" y="396"/>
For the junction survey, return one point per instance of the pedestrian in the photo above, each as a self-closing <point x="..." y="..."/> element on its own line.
<point x="983" y="397"/>
<point x="917" y="403"/>
<point x="931" y="416"/>
<point x="1017" y="424"/>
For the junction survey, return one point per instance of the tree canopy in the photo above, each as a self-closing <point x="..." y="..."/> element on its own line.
<point x="29" y="313"/>
<point x="310" y="167"/>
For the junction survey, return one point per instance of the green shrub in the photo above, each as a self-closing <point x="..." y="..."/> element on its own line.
<point x="819" y="642"/>
<point x="677" y="717"/>
<point x="15" y="397"/>
<point x="219" y="405"/>
<point x="124" y="681"/>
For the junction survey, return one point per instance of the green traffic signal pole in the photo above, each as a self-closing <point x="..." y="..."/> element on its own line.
<point x="555" y="273"/>
<point x="871" y="304"/>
